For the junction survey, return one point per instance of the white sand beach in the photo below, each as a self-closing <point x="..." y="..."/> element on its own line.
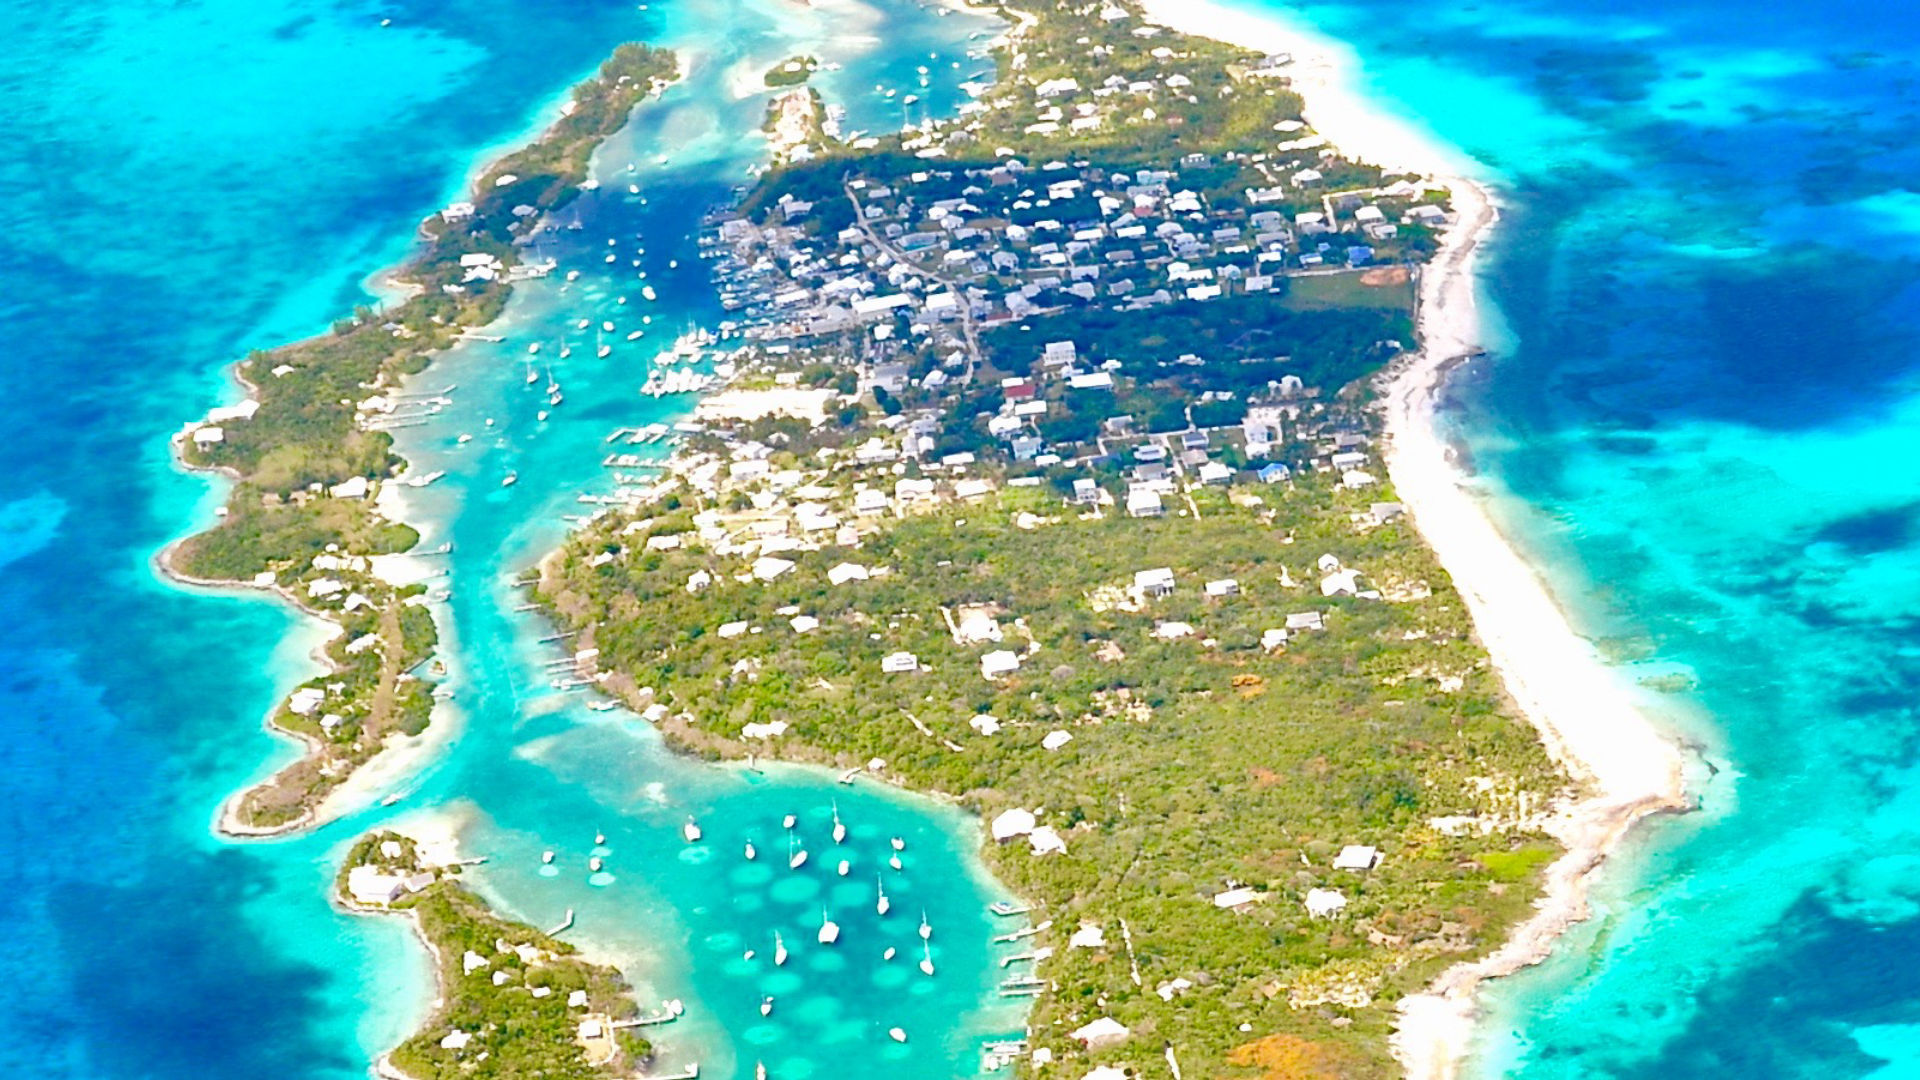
<point x="1585" y="716"/>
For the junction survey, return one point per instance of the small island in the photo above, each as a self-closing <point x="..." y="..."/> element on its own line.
<point x="791" y="72"/>
<point x="514" y="1002"/>
<point x="310" y="453"/>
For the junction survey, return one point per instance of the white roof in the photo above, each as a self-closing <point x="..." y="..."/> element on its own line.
<point x="1089" y="936"/>
<point x="803" y="623"/>
<point x="1012" y="823"/>
<point x="1046" y="841"/>
<point x="846" y="572"/>
<point x="984" y="724"/>
<point x="733" y="629"/>
<point x="1356" y="857"/>
<point x="766" y="567"/>
<point x="1056" y="739"/>
<point x="1233" y="898"/>
<point x="900" y="661"/>
<point x="1149" y="578"/>
<point x="999" y="662"/>
<point x="1324" y="902"/>
<point x="1104" y="1030"/>
<point x="456" y="1040"/>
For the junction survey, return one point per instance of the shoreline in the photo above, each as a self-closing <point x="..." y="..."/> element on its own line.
<point x="1629" y="768"/>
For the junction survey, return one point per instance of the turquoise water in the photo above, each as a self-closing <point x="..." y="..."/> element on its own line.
<point x="1705" y="421"/>
<point x="196" y="180"/>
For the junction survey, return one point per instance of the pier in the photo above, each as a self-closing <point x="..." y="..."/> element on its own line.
<point x="566" y="924"/>
<point x="1024" y="932"/>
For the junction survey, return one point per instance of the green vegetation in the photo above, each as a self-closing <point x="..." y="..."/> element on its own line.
<point x="792" y="72"/>
<point x="518" y="1026"/>
<point x="1196" y="763"/>
<point x="306" y="461"/>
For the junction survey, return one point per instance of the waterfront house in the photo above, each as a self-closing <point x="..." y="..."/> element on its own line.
<point x="369" y="885"/>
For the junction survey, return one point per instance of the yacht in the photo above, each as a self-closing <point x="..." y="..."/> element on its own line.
<point x="829" y="930"/>
<point x="881" y="905"/>
<point x="750" y="852"/>
<point x="779" y="950"/>
<point x="766" y="1005"/>
<point x="926" y="928"/>
<point x="691" y="831"/>
<point x="843" y="868"/>
<point x="926" y="958"/>
<point x="796" y="856"/>
<point x="839" y="830"/>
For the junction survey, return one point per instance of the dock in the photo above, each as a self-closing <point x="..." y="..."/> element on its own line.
<point x="1016" y="958"/>
<point x="847" y="777"/>
<point x="566" y="924"/>
<point x="1024" y="932"/>
<point x="691" y="1072"/>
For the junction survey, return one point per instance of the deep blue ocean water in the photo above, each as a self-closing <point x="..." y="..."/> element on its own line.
<point x="1705" y="420"/>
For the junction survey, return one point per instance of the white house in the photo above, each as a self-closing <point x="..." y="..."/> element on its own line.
<point x="846" y="572"/>
<point x="1012" y="823"/>
<point x="1155" y="582"/>
<point x="1056" y="739"/>
<point x="999" y="663"/>
<point x="1102" y="1032"/>
<point x="368" y="885"/>
<point x="896" y="663"/>
<point x="1324" y="903"/>
<point x="1358" y="857"/>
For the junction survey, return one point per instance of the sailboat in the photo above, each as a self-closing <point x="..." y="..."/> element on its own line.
<point x="759" y="1070"/>
<point x="881" y="905"/>
<point x="766" y="1005"/>
<point x="604" y="350"/>
<point x="899" y="844"/>
<point x="566" y="350"/>
<point x="926" y="928"/>
<point x="779" y="950"/>
<point x="533" y="347"/>
<point x="796" y="856"/>
<point x="843" y="868"/>
<point x="894" y="862"/>
<point x="897" y="1034"/>
<point x="926" y="958"/>
<point x="788" y="823"/>
<point x="839" y="830"/>
<point x="829" y="930"/>
<point x="691" y="831"/>
<point x="889" y="954"/>
<point x="532" y="375"/>
<point x="750" y="851"/>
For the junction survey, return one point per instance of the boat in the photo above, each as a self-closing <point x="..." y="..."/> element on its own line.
<point x="750" y="851"/>
<point x="594" y="864"/>
<point x="899" y="844"/>
<point x="898" y="1034"/>
<point x="926" y="958"/>
<point x="691" y="831"/>
<point x="839" y="830"/>
<point x="464" y="438"/>
<point x="759" y="1070"/>
<point x="533" y="347"/>
<point x="796" y="856"/>
<point x="829" y="930"/>
<point x="599" y="838"/>
<point x="779" y="950"/>
<point x="532" y="375"/>
<point x="789" y="822"/>
<point x="1006" y="907"/>
<point x="881" y="905"/>
<point x="748" y="955"/>
<point x="766" y="1005"/>
<point x="508" y="480"/>
<point x="894" y="862"/>
<point x="573" y="275"/>
<point x="647" y="291"/>
<point x="926" y="928"/>
<point x="890" y="953"/>
<point x="843" y="868"/>
<point x="392" y="799"/>
<point x="546" y="857"/>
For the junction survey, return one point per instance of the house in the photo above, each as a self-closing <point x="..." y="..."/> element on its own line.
<point x="1306" y="620"/>
<point x="352" y="488"/>
<point x="1105" y="1031"/>
<point x="1156" y="582"/>
<point x="999" y="663"/>
<point x="368" y="885"/>
<point x="1172" y="631"/>
<point x="1273" y="638"/>
<point x="804" y="623"/>
<point x="1223" y="587"/>
<point x="1012" y="823"/>
<point x="766" y="567"/>
<point x="975" y="626"/>
<point x="1055" y="740"/>
<point x="1274" y="473"/>
<point x="1086" y="490"/>
<point x="846" y="572"/>
<point x="305" y="700"/>
<point x="1324" y="903"/>
<point x="1340" y="583"/>
<point x="1357" y="857"/>
<point x="1142" y="502"/>
<point x="869" y="502"/>
<point x="899" y="662"/>
<point x="1045" y="840"/>
<point x="1235" y="898"/>
<point x="1089" y="936"/>
<point x="1383" y="512"/>
<point x="1213" y="472"/>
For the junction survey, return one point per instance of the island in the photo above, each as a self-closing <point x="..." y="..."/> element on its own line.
<point x="512" y="1001"/>
<point x="1049" y="480"/>
<point x="791" y="72"/>
<point x="309" y="453"/>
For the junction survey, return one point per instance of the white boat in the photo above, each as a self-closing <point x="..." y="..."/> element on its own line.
<point x="766" y="1005"/>
<point x="573" y="275"/>
<point x="691" y="831"/>
<point x="839" y="830"/>
<point x="779" y="950"/>
<point x="647" y="291"/>
<point x="599" y="838"/>
<point x="759" y="1067"/>
<point x="533" y="347"/>
<point x="750" y="851"/>
<point x="508" y="480"/>
<point x="546" y="857"/>
<point x="890" y="953"/>
<point x="748" y="955"/>
<point x="796" y="856"/>
<point x="881" y="905"/>
<point x="789" y="822"/>
<point x="926" y="928"/>
<point x="898" y="1034"/>
<point x="843" y="868"/>
<point x="926" y="958"/>
<point x="829" y="930"/>
<point x="532" y="375"/>
<point x="607" y="326"/>
<point x="894" y="862"/>
<point x="464" y="438"/>
<point x="583" y="324"/>
<point x="594" y="864"/>
<point x="899" y="844"/>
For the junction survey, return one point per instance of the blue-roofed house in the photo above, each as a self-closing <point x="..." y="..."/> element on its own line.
<point x="1359" y="255"/>
<point x="1274" y="473"/>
